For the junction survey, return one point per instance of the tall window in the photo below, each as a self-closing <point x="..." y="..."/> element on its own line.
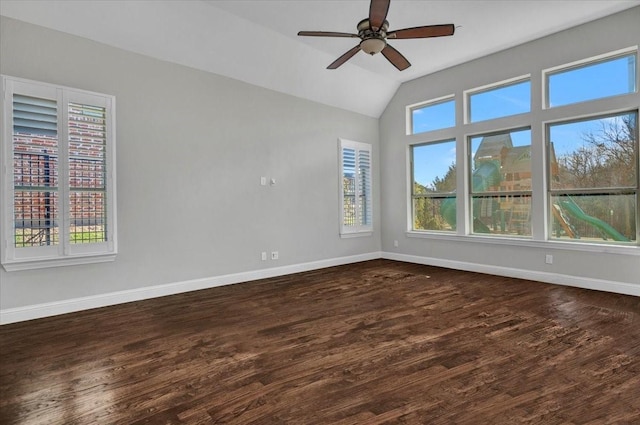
<point x="58" y="192"/>
<point x="593" y="179"/>
<point x="356" y="212"/>
<point x="433" y="189"/>
<point x="501" y="183"/>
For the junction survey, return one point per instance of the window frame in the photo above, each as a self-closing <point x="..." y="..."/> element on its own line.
<point x="537" y="120"/>
<point x="551" y="192"/>
<point x="63" y="253"/>
<point x="422" y="105"/>
<point x="490" y="87"/>
<point x="433" y="195"/>
<point x="583" y="63"/>
<point x="471" y="193"/>
<point x="359" y="228"/>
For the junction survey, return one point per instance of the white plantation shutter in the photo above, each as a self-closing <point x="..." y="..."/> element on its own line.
<point x="87" y="173"/>
<point x="58" y="190"/>
<point x="34" y="148"/>
<point x="35" y="116"/>
<point x="349" y="208"/>
<point x="364" y="186"/>
<point x="355" y="188"/>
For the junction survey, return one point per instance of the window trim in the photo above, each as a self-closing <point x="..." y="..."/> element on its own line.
<point x="533" y="243"/>
<point x="64" y="253"/>
<point x="357" y="230"/>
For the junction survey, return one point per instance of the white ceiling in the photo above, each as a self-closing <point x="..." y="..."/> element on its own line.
<point x="256" y="40"/>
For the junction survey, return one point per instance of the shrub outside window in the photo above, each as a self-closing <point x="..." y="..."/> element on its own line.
<point x="433" y="189"/>
<point x="593" y="179"/>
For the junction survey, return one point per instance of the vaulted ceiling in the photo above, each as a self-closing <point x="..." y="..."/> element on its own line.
<point x="256" y="40"/>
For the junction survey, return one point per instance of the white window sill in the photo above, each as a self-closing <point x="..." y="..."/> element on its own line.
<point x="515" y="241"/>
<point x="356" y="234"/>
<point x="43" y="263"/>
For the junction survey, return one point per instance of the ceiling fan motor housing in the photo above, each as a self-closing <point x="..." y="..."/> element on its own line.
<point x="372" y="41"/>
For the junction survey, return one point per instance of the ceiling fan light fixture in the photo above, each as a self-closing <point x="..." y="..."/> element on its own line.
<point x="373" y="45"/>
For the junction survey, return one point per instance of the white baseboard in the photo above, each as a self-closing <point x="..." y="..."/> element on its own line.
<point x="38" y="311"/>
<point x="558" y="279"/>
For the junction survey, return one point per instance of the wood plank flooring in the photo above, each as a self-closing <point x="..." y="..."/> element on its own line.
<point x="378" y="342"/>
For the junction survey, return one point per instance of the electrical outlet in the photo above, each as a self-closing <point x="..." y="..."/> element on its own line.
<point x="395" y="243"/>
<point x="263" y="181"/>
<point x="548" y="259"/>
<point x="274" y="255"/>
<point x="264" y="256"/>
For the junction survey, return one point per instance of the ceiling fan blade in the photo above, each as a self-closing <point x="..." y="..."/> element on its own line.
<point x="326" y="34"/>
<point x="378" y="13"/>
<point x="342" y="59"/>
<point x="423" y="32"/>
<point x="396" y="58"/>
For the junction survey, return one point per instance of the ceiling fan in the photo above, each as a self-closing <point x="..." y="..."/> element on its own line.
<point x="373" y="33"/>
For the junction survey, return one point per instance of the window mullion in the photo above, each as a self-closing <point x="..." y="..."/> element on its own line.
<point x="63" y="171"/>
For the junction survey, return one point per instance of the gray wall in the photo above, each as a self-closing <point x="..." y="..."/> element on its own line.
<point x="576" y="265"/>
<point x="191" y="148"/>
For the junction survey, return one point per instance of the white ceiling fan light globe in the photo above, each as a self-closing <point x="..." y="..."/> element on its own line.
<point x="372" y="46"/>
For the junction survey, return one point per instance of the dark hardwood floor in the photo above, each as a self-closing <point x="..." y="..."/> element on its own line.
<point x="379" y="342"/>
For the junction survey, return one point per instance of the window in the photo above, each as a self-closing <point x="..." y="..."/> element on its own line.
<point x="501" y="100"/>
<point x="593" y="179"/>
<point x="433" y="115"/>
<point x="501" y="183"/>
<point x="575" y="182"/>
<point x="356" y="212"/>
<point x="433" y="189"/>
<point x="594" y="80"/>
<point x="58" y="189"/>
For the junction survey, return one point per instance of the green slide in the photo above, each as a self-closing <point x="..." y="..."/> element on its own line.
<point x="576" y="212"/>
<point x="487" y="174"/>
<point x="448" y="211"/>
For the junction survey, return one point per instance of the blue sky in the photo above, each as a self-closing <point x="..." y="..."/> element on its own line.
<point x="602" y="79"/>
